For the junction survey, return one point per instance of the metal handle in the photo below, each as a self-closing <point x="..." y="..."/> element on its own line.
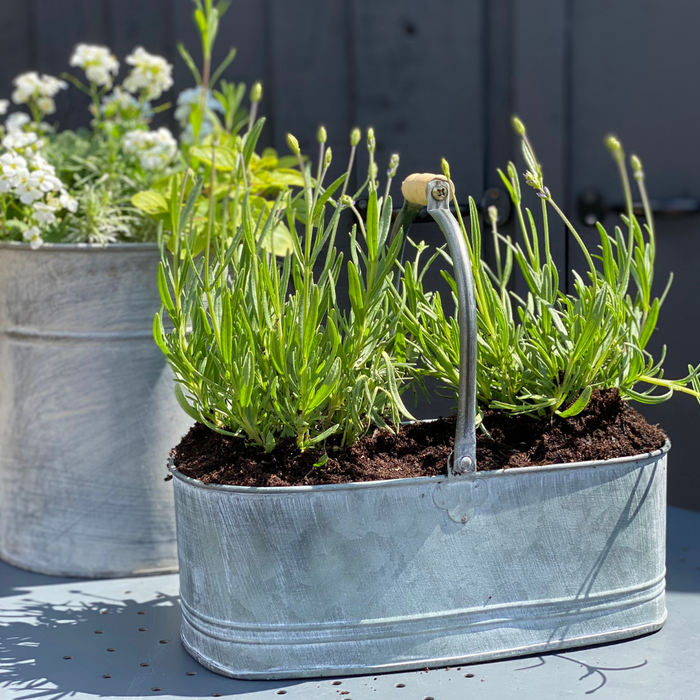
<point x="437" y="195"/>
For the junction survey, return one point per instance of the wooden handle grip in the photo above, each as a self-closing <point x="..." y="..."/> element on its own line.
<point x="415" y="187"/>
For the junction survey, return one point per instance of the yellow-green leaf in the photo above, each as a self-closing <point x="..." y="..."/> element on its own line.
<point x="278" y="241"/>
<point x="225" y="158"/>
<point x="151" y="202"/>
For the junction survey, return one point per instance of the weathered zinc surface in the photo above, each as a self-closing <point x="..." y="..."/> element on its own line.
<point x="348" y="579"/>
<point x="87" y="413"/>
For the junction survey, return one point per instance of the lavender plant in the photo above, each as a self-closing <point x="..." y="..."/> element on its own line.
<point x="543" y="353"/>
<point x="260" y="345"/>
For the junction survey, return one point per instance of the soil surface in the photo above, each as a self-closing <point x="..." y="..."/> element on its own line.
<point x="606" y="429"/>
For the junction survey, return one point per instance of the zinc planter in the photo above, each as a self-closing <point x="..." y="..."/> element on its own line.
<point x="381" y="576"/>
<point x="432" y="571"/>
<point x="87" y="412"/>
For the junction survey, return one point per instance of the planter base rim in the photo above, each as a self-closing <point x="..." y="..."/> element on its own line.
<point x="72" y="573"/>
<point x="338" y="671"/>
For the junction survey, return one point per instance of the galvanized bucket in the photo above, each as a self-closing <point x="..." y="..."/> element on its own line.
<point x="390" y="575"/>
<point x="87" y="412"/>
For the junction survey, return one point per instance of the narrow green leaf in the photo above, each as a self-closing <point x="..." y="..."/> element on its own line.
<point x="184" y="404"/>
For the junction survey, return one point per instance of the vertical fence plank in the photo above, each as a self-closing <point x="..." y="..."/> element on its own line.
<point x="132" y="23"/>
<point x="418" y="73"/>
<point x="59" y="26"/>
<point x="16" y="47"/>
<point x="540" y="97"/>
<point x="311" y="73"/>
<point x="498" y="88"/>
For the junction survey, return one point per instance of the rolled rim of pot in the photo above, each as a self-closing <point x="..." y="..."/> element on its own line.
<point x="22" y="245"/>
<point x="383" y="483"/>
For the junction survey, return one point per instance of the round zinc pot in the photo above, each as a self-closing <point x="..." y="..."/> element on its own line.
<point x="431" y="571"/>
<point x="87" y="412"/>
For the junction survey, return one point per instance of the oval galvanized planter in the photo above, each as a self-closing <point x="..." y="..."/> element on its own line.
<point x="390" y="575"/>
<point x="87" y="412"/>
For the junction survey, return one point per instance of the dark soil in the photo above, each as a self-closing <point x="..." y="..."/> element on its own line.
<point x="608" y="428"/>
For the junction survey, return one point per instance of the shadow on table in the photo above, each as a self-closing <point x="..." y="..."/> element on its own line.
<point x="105" y="648"/>
<point x="14" y="581"/>
<point x="597" y="673"/>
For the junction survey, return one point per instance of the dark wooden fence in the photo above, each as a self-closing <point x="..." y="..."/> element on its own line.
<point x="441" y="78"/>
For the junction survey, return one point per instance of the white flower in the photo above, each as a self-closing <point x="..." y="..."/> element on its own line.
<point x="16" y="121"/>
<point x="44" y="213"/>
<point x="119" y="99"/>
<point x="38" y="162"/>
<point x="99" y="64"/>
<point x="25" y="143"/>
<point x="33" y="235"/>
<point x="19" y="139"/>
<point x="191" y="97"/>
<point x="150" y="74"/>
<point x="154" y="149"/>
<point x="188" y="99"/>
<point x="66" y="201"/>
<point x="32" y="186"/>
<point x="50" y="86"/>
<point x="46" y="104"/>
<point x="14" y="168"/>
<point x="31" y="86"/>
<point x="4" y="105"/>
<point x="27" y="85"/>
<point x="12" y="162"/>
<point x="45" y="181"/>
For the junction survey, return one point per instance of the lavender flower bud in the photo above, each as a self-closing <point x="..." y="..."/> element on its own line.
<point x="518" y="126"/>
<point x="371" y="143"/>
<point x="293" y="145"/>
<point x="393" y="165"/>
<point x="445" y="168"/>
<point x="637" y="169"/>
<point x="256" y="92"/>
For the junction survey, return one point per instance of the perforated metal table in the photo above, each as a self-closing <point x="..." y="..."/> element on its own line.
<point x="119" y="638"/>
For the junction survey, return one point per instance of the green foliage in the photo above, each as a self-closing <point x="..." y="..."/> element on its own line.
<point x="260" y="346"/>
<point x="112" y="182"/>
<point x="104" y="180"/>
<point x="542" y="354"/>
<point x="212" y="128"/>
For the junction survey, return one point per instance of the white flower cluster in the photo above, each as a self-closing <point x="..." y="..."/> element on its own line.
<point x="98" y="62"/>
<point x="25" y="173"/>
<point x="186" y="100"/>
<point x="152" y="75"/>
<point x="40" y="89"/>
<point x="154" y="149"/>
<point x="119" y="101"/>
